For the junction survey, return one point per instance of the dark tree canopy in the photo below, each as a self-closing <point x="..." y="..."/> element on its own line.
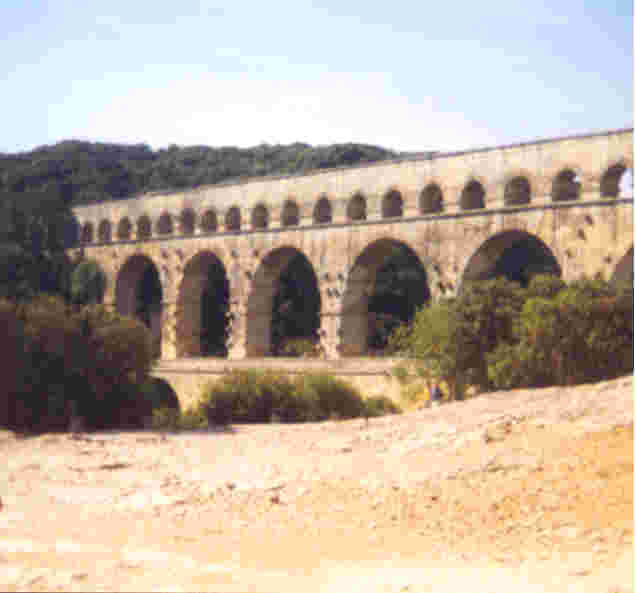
<point x="84" y="172"/>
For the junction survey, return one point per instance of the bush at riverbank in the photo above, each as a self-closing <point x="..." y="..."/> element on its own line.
<point x="245" y="396"/>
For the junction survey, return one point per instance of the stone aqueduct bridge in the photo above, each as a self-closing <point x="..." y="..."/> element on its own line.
<point x="554" y="202"/>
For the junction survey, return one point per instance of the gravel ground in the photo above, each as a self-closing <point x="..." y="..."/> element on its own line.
<point x="529" y="490"/>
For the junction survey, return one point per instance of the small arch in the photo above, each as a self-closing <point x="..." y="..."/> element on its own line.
<point x="209" y="222"/>
<point x="187" y="221"/>
<point x="104" y="232"/>
<point x="164" y="224"/>
<point x="431" y="199"/>
<point x="260" y="217"/>
<point x="392" y="204"/>
<point x="566" y="186"/>
<point x="164" y="396"/>
<point x="322" y="211"/>
<point x="144" y="227"/>
<point x="87" y="235"/>
<point x="233" y="219"/>
<point x="517" y="191"/>
<point x="291" y="214"/>
<point x="357" y="208"/>
<point x="124" y="229"/>
<point x="516" y="255"/>
<point x="472" y="196"/>
<point x="610" y="182"/>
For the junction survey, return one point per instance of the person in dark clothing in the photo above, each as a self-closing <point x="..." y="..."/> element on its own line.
<point x="436" y="395"/>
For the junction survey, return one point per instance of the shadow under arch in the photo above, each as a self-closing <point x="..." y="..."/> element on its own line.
<point x="283" y="303"/>
<point x="624" y="270"/>
<point x="138" y="294"/>
<point x="385" y="286"/>
<point x="164" y="396"/>
<point x="516" y="255"/>
<point x="203" y="307"/>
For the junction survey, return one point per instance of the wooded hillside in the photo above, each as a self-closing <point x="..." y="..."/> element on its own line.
<point x="83" y="172"/>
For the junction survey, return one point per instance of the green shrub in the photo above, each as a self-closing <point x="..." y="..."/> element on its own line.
<point x="88" y="282"/>
<point x="301" y="347"/>
<point x="91" y="362"/>
<point x="380" y="405"/>
<point x="193" y="419"/>
<point x="265" y="396"/>
<point x="584" y="333"/>
<point x="331" y="397"/>
<point x="165" y="418"/>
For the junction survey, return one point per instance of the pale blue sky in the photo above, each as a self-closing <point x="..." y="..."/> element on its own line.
<point x="410" y="75"/>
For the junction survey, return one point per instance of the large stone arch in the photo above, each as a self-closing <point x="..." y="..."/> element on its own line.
<point x="139" y="294"/>
<point x="624" y="270"/>
<point x="360" y="288"/>
<point x="515" y="254"/>
<point x="263" y="291"/>
<point x="203" y="307"/>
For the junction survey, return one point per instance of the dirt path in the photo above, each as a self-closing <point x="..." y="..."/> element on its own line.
<point x="520" y="491"/>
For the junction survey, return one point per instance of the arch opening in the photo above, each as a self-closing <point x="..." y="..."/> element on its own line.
<point x="386" y="285"/>
<point x="87" y="233"/>
<point x="322" y="211"/>
<point x="610" y="182"/>
<point x="233" y="219"/>
<point x="209" y="222"/>
<point x="124" y="229"/>
<point x="144" y="227"/>
<point x="164" y="224"/>
<point x="284" y="303"/>
<point x="516" y="255"/>
<point x="357" y="208"/>
<point x="164" y="396"/>
<point x="104" y="231"/>
<point x="472" y="196"/>
<point x="260" y="217"/>
<point x="291" y="214"/>
<point x="517" y="192"/>
<point x="431" y="199"/>
<point x="187" y="221"/>
<point x="566" y="186"/>
<point x="392" y="205"/>
<point x="139" y="294"/>
<point x="203" y="308"/>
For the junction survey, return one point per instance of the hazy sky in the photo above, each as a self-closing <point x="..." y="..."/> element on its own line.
<point x="411" y="75"/>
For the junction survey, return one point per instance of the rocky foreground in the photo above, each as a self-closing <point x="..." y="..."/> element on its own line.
<point x="522" y="491"/>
